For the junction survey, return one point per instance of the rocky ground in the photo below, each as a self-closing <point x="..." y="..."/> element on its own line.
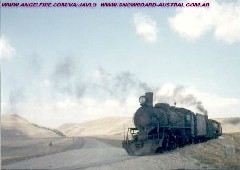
<point x="208" y="155"/>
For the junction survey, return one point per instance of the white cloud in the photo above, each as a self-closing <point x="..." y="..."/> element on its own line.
<point x="221" y="18"/>
<point x="145" y="27"/>
<point x="7" y="51"/>
<point x="45" y="83"/>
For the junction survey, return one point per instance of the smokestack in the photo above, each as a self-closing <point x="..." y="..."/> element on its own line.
<point x="149" y="96"/>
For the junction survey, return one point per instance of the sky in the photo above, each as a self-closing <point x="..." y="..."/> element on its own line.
<point x="67" y="65"/>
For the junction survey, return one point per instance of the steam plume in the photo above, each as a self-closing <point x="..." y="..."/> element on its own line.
<point x="15" y="97"/>
<point x="121" y="84"/>
<point x="66" y="78"/>
<point x="180" y="95"/>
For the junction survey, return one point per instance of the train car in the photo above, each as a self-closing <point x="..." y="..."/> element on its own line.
<point x="214" y="129"/>
<point x="200" y="127"/>
<point x="164" y="127"/>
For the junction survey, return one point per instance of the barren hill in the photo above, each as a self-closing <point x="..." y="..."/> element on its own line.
<point x="104" y="126"/>
<point x="14" y="126"/>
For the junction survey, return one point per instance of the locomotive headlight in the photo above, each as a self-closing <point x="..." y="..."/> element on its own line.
<point x="142" y="99"/>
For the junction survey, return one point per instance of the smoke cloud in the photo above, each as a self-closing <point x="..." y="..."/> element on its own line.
<point x="15" y="97"/>
<point x="179" y="94"/>
<point x="123" y="84"/>
<point x="120" y="85"/>
<point x="66" y="78"/>
<point x="98" y="94"/>
<point x="34" y="63"/>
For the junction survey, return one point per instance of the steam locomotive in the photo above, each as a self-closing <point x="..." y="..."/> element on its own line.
<point x="163" y="127"/>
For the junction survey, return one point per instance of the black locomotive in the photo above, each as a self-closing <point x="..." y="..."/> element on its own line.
<point x="164" y="127"/>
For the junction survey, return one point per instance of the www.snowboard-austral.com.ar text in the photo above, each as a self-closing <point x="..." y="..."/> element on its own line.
<point x="103" y="4"/>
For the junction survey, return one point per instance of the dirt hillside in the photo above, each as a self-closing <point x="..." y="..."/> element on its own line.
<point x="104" y="126"/>
<point x="14" y="126"/>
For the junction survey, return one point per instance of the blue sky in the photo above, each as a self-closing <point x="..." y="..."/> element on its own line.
<point x="75" y="65"/>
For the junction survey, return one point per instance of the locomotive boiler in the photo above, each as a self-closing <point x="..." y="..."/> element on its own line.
<point x="164" y="127"/>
